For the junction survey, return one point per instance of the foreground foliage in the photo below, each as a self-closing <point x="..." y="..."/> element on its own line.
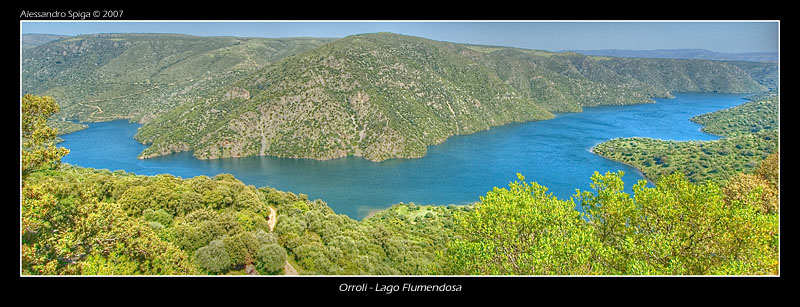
<point x="38" y="150"/>
<point x="83" y="221"/>
<point x="676" y="228"/>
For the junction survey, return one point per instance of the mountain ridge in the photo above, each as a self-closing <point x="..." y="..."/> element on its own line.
<point x="687" y="53"/>
<point x="385" y="95"/>
<point x="376" y="95"/>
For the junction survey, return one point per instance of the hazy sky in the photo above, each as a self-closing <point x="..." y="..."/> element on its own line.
<point x="720" y="36"/>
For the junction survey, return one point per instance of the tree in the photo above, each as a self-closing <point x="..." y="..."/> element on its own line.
<point x="676" y="228"/>
<point x="67" y="229"/>
<point x="523" y="230"/>
<point x="770" y="169"/>
<point x="213" y="257"/>
<point x="679" y="228"/>
<point x="38" y="151"/>
<point x="754" y="191"/>
<point x="270" y="258"/>
<point x="241" y="247"/>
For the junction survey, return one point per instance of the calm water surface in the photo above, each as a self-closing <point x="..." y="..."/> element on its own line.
<point x="555" y="153"/>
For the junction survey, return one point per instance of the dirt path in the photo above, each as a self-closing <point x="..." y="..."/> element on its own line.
<point x="273" y="218"/>
<point x="288" y="269"/>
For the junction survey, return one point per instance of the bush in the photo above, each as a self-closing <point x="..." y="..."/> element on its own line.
<point x="241" y="247"/>
<point x="251" y="221"/>
<point x="264" y="237"/>
<point x="753" y="191"/>
<point x="270" y="259"/>
<point x="770" y="169"/>
<point x="188" y="202"/>
<point x="213" y="257"/>
<point x="159" y="216"/>
<point x="135" y="200"/>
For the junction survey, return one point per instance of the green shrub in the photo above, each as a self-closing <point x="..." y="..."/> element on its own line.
<point x="270" y="259"/>
<point x="241" y="248"/>
<point x="213" y="257"/>
<point x="159" y="216"/>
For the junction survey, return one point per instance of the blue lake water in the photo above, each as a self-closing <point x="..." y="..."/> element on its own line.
<point x="555" y="153"/>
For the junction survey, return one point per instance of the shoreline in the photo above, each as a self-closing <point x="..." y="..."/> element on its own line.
<point x="632" y="166"/>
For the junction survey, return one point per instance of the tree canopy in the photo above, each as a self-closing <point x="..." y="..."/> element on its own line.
<point x="38" y="151"/>
<point x="676" y="228"/>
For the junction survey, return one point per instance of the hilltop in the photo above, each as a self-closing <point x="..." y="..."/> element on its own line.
<point x="103" y="77"/>
<point x="701" y="54"/>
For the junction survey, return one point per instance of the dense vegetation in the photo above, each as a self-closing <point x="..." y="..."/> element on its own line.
<point x="84" y="221"/>
<point x="401" y="240"/>
<point x="676" y="228"/>
<point x="751" y="133"/>
<point x="382" y="96"/>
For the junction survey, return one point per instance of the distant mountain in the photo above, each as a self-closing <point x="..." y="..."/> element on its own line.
<point x="31" y="40"/>
<point x="382" y="96"/>
<point x="701" y="54"/>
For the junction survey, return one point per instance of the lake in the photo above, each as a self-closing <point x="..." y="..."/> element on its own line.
<point x="555" y="153"/>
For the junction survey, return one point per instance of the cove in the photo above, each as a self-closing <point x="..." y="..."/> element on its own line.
<point x="555" y="153"/>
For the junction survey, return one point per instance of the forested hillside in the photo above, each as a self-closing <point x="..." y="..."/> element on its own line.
<point x="751" y="133"/>
<point x="383" y="95"/>
<point x="699" y="54"/>
<point x="103" y="77"/>
<point x="84" y="221"/>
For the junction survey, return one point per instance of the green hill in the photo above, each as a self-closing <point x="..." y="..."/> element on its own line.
<point x="139" y="76"/>
<point x="378" y="96"/>
<point x="383" y="95"/>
